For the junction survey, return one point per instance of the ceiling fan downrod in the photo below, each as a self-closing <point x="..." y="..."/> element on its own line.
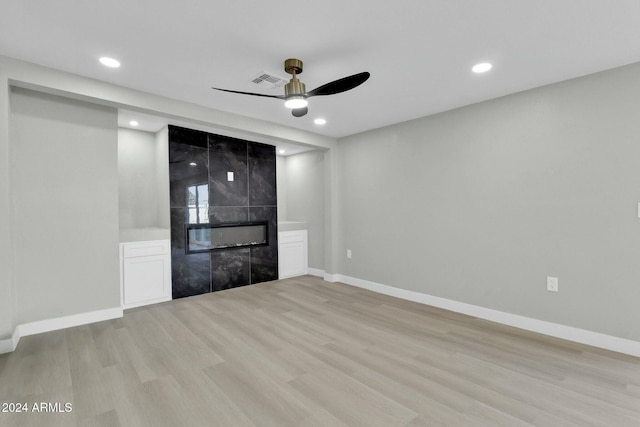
<point x="294" y="87"/>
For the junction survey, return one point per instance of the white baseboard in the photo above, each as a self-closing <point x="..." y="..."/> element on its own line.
<point x="9" y="344"/>
<point x="146" y="302"/>
<point x="332" y="277"/>
<point x="315" y="272"/>
<point x="569" y="333"/>
<point x="32" y="328"/>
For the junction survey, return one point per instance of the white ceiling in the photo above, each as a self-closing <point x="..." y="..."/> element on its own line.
<point x="419" y="52"/>
<point x="150" y="123"/>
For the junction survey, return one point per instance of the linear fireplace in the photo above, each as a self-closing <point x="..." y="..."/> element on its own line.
<point x="224" y="212"/>
<point x="212" y="237"/>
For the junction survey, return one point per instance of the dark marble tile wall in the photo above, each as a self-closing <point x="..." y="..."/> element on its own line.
<point x="262" y="175"/>
<point x="198" y="161"/>
<point x="264" y="259"/>
<point x="190" y="273"/>
<point x="230" y="269"/>
<point x="188" y="166"/>
<point x="226" y="156"/>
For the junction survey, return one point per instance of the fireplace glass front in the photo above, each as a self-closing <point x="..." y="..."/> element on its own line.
<point x="211" y="237"/>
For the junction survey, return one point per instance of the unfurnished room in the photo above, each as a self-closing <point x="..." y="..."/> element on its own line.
<point x="364" y="213"/>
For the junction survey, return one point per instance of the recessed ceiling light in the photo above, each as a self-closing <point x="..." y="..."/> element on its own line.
<point x="193" y="164"/>
<point x="483" y="67"/>
<point x="109" y="62"/>
<point x="320" y="121"/>
<point x="133" y="123"/>
<point x="281" y="151"/>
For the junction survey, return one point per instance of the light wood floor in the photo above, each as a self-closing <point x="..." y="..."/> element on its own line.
<point x="304" y="352"/>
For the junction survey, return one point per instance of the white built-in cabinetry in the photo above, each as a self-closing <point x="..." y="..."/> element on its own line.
<point x="145" y="272"/>
<point x="292" y="253"/>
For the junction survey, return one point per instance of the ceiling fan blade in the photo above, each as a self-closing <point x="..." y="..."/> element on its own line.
<point x="340" y="85"/>
<point x="299" y="112"/>
<point x="250" y="93"/>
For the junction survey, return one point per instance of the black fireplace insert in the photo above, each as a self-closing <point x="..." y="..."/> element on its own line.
<point x="215" y="237"/>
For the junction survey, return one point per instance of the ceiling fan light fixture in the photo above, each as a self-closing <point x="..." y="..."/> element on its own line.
<point x="296" y="101"/>
<point x="295" y="94"/>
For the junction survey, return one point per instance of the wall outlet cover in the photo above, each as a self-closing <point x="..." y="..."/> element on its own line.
<point x="552" y="284"/>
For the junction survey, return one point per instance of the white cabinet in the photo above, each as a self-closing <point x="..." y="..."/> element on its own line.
<point x="145" y="273"/>
<point x="292" y="253"/>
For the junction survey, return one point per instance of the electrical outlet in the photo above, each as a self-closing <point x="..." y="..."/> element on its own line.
<point x="552" y="284"/>
<point x="349" y="253"/>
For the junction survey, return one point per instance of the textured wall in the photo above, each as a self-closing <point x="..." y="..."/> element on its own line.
<point x="203" y="160"/>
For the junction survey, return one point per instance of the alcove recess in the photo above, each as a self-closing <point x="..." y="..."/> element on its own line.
<point x="143" y="185"/>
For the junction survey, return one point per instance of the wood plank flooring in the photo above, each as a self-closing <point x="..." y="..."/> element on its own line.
<point x="304" y="352"/>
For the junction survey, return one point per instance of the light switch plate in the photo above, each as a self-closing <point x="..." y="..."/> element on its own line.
<point x="229" y="176"/>
<point x="552" y="284"/>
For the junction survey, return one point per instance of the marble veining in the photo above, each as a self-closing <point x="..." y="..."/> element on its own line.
<point x="190" y="274"/>
<point x="202" y="192"/>
<point x="228" y="156"/>
<point x="230" y="269"/>
<point x="188" y="168"/>
<point x="262" y="175"/>
<point x="196" y="138"/>
<point x="264" y="259"/>
<point x="222" y="214"/>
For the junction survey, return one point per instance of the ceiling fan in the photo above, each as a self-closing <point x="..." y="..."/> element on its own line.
<point x="295" y="95"/>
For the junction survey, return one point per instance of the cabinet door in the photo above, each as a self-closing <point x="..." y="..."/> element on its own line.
<point x="144" y="278"/>
<point x="292" y="259"/>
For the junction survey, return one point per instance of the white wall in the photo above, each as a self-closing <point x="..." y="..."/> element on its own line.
<point x="137" y="176"/>
<point x="481" y="204"/>
<point x="7" y="309"/>
<point x="305" y="199"/>
<point x="162" y="177"/>
<point x="281" y="185"/>
<point x="143" y="179"/>
<point x="65" y="206"/>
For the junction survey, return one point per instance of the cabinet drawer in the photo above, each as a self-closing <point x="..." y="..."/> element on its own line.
<point x="138" y="249"/>
<point x="292" y="236"/>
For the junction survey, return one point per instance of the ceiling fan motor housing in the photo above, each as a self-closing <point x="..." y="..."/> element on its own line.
<point x="294" y="87"/>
